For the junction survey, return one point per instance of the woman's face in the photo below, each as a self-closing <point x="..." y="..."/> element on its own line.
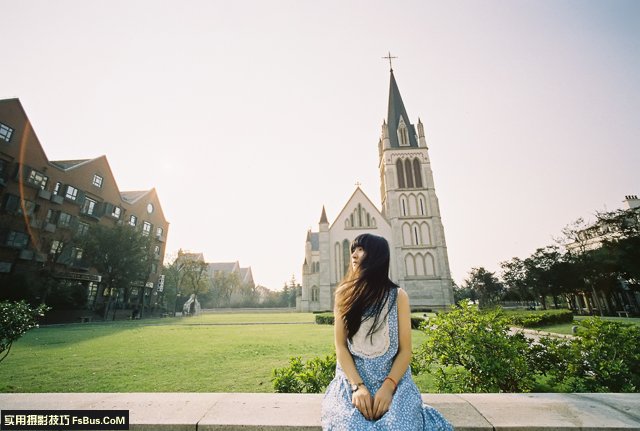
<point x="356" y="257"/>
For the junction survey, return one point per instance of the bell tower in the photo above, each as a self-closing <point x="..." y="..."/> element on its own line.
<point x="410" y="205"/>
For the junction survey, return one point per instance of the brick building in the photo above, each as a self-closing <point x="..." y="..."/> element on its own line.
<point x="46" y="204"/>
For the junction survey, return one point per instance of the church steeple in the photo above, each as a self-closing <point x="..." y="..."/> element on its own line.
<point x="401" y="132"/>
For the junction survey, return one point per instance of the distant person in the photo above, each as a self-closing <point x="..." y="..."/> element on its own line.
<point x="372" y="388"/>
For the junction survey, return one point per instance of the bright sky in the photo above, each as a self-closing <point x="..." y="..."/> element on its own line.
<point x="248" y="116"/>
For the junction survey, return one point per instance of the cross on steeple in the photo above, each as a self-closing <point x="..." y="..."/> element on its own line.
<point x="358" y="184"/>
<point x="389" y="57"/>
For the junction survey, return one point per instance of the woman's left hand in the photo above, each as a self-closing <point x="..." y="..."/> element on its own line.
<point x="382" y="400"/>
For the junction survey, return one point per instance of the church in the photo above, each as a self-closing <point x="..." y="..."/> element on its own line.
<point x="409" y="218"/>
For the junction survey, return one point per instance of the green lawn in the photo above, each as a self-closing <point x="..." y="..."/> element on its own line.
<point x="209" y="353"/>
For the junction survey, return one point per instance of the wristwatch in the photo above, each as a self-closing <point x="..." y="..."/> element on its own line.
<point x="355" y="386"/>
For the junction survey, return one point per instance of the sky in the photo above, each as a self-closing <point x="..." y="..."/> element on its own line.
<point x="248" y="116"/>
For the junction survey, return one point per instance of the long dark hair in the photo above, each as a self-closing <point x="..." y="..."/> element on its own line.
<point x="364" y="291"/>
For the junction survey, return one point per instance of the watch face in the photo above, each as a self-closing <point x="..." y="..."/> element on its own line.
<point x="354" y="387"/>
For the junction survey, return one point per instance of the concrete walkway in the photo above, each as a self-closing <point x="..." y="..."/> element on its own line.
<point x="243" y="411"/>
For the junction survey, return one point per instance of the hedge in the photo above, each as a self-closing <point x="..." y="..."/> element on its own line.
<point x="532" y="319"/>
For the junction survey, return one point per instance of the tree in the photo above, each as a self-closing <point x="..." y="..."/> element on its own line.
<point x="122" y="255"/>
<point x="224" y="284"/>
<point x="485" y="284"/>
<point x="16" y="318"/>
<point x="514" y="276"/>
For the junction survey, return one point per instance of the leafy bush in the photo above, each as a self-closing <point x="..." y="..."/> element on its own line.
<point x="324" y="319"/>
<point x="533" y="319"/>
<point x="474" y="352"/>
<point x="605" y="357"/>
<point x="16" y="318"/>
<point x="311" y="377"/>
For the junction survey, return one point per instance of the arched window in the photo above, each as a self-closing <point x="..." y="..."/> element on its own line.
<point x="422" y="206"/>
<point x="403" y="206"/>
<point x="346" y="253"/>
<point x="426" y="233"/>
<point x="410" y="265"/>
<point x="420" y="265"/>
<point x="406" y="234"/>
<point x="416" y="235"/>
<point x="315" y="294"/>
<point x="417" y="173"/>
<point x="430" y="265"/>
<point x="400" y="169"/>
<point x="337" y="264"/>
<point x="403" y="134"/>
<point x="407" y="168"/>
<point x="413" y="206"/>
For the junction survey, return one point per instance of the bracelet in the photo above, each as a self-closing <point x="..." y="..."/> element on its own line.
<point x="394" y="384"/>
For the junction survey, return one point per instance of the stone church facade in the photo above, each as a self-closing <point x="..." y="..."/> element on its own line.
<point x="409" y="219"/>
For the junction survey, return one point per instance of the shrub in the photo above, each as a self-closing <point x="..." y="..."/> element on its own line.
<point x="324" y="319"/>
<point x="16" y="318"/>
<point x="533" y="319"/>
<point x="605" y="357"/>
<point x="473" y="351"/>
<point x="311" y="377"/>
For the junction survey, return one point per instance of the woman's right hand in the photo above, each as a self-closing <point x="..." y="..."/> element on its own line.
<point x="362" y="400"/>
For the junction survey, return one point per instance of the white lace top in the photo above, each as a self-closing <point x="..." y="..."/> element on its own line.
<point x="376" y="344"/>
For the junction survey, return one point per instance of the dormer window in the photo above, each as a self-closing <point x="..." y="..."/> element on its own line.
<point x="97" y="180"/>
<point x="403" y="134"/>
<point x="5" y="132"/>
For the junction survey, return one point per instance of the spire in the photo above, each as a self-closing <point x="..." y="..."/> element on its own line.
<point x="323" y="217"/>
<point x="397" y="115"/>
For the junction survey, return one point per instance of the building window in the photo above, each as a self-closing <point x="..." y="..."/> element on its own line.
<point x="64" y="220"/>
<point x="56" y="189"/>
<point x="159" y="232"/>
<point x="5" y="132"/>
<point x="417" y="174"/>
<point x="37" y="179"/>
<point x="403" y="134"/>
<point x="154" y="268"/>
<point x="83" y="228"/>
<point x="27" y="207"/>
<point x="76" y="253"/>
<point x="146" y="228"/>
<point x="156" y="251"/>
<point x="400" y="169"/>
<point x="17" y="239"/>
<point x="133" y="220"/>
<point x="315" y="294"/>
<point x="116" y="212"/>
<point x="56" y="247"/>
<point x="88" y="206"/>
<point x="72" y="193"/>
<point x="409" y="173"/>
<point x="97" y="180"/>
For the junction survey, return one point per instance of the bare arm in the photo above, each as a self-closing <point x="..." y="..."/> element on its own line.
<point x="383" y="397"/>
<point x="361" y="398"/>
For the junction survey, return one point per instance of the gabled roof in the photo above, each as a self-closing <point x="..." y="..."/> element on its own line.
<point x="69" y="164"/>
<point x="396" y="111"/>
<point x="224" y="266"/>
<point x="358" y="192"/>
<point x="132" y="197"/>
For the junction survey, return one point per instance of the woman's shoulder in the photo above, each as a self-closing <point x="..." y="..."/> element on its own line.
<point x="403" y="297"/>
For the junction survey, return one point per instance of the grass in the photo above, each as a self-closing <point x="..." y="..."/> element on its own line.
<point x="208" y="353"/>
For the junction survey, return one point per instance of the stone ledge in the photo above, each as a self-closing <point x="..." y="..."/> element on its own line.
<point x="243" y="411"/>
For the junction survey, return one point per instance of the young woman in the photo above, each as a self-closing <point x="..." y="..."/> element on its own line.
<point x="373" y="389"/>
